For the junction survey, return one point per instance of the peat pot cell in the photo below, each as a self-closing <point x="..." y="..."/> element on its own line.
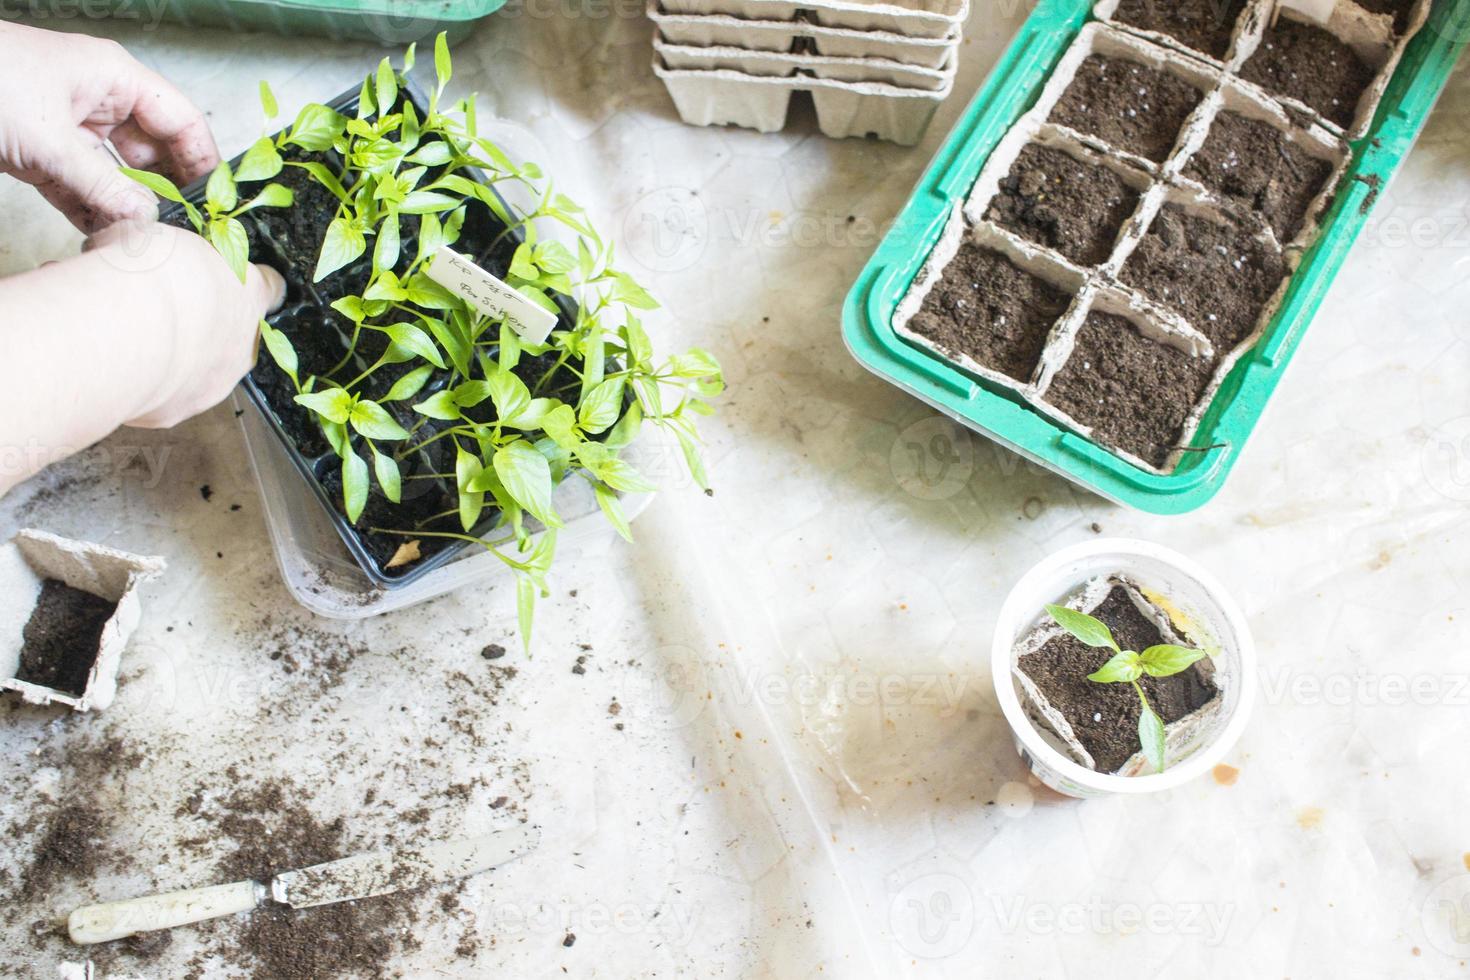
<point x="1127" y="105"/>
<point x="984" y="307"/>
<point x="1214" y="272"/>
<point x="1254" y="164"/>
<point x="1400" y="9"/>
<point x="1307" y="63"/>
<point x="62" y="638"/>
<point x="1104" y="717"/>
<point x="1055" y="200"/>
<point x="1203" y="25"/>
<point x="1133" y="392"/>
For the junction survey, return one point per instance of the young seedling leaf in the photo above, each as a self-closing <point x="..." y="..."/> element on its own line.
<point x="385" y="250"/>
<point x="612" y="508"/>
<point x="316" y="128"/>
<point x="1089" y="630"/>
<point x="229" y="238"/>
<point x="696" y="363"/>
<point x="439" y="405"/>
<point x="389" y="478"/>
<point x="443" y="66"/>
<point x="1166" y="659"/>
<point x="1122" y="666"/>
<point x="261" y="162"/>
<point x="333" y="404"/>
<point x="157" y="183"/>
<point x="561" y="424"/>
<point x="219" y="190"/>
<point x="525" y="609"/>
<point x="471" y="502"/>
<point x="409" y="385"/>
<point x="270" y="196"/>
<point x="602" y="406"/>
<point x="413" y="338"/>
<point x="1151" y="737"/>
<point x="372" y="420"/>
<point x="526" y="476"/>
<point x="354" y="485"/>
<point x="509" y="394"/>
<point x="268" y="100"/>
<point x="343" y="244"/>
<point x="280" y="349"/>
<point x="387" y="86"/>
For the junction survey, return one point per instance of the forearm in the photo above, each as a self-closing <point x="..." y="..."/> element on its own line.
<point x="86" y="347"/>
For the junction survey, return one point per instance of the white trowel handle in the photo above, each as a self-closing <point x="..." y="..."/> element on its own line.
<point x="118" y="920"/>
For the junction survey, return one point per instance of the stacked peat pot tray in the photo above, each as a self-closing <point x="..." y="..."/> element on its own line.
<point x="873" y="69"/>
<point x="1132" y="234"/>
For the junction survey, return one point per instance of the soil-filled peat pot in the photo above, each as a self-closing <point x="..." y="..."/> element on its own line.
<point x="1051" y="198"/>
<point x="1218" y="272"/>
<point x="987" y="309"/>
<point x="1102" y="719"/>
<point x="1132" y="392"/>
<point x="67" y="609"/>
<point x="1203" y="26"/>
<point x="1127" y="105"/>
<point x="1080" y="737"/>
<point x="1272" y="169"/>
<point x="1310" y="64"/>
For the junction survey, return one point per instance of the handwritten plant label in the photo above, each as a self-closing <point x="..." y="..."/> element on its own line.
<point x="490" y="295"/>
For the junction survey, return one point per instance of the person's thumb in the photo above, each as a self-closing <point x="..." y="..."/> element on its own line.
<point x="265" y="288"/>
<point x="84" y="183"/>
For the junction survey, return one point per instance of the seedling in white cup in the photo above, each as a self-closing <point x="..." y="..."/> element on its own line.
<point x="1127" y="666"/>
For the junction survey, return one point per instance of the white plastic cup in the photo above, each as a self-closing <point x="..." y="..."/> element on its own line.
<point x="1195" y="600"/>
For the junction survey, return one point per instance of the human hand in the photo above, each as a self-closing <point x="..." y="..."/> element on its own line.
<point x="206" y="326"/>
<point x="67" y="94"/>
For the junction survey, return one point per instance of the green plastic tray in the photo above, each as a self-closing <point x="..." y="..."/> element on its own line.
<point x="1011" y="89"/>
<point x="388" y="22"/>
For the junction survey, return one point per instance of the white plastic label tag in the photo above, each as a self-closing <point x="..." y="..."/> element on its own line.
<point x="1317" y="10"/>
<point x="490" y="296"/>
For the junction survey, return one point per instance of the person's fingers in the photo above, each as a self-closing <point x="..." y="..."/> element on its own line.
<point x="83" y="182"/>
<point x="166" y="114"/>
<point x="137" y="148"/>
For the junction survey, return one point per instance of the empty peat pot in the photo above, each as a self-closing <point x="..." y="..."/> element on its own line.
<point x="1152" y="595"/>
<point x="67" y="609"/>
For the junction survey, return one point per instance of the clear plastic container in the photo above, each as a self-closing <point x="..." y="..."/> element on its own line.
<point x="1198" y="607"/>
<point x="321" y="574"/>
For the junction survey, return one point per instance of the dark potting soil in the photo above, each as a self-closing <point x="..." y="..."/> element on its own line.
<point x="62" y="638"/>
<point x="273" y="832"/>
<point x="1401" y="9"/>
<point x="1253" y="163"/>
<point x="986" y="307"/>
<point x="1135" y="393"/>
<point x="1127" y="105"/>
<point x="1053" y="199"/>
<point x="1307" y="63"/>
<point x="1204" y="25"/>
<point x="1214" y="272"/>
<point x="427" y="505"/>
<point x="1104" y="717"/>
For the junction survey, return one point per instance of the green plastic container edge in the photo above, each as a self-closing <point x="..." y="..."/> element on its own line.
<point x="393" y="23"/>
<point x="1009" y="91"/>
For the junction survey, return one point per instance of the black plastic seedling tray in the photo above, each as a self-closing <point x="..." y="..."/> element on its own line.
<point x="307" y="299"/>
